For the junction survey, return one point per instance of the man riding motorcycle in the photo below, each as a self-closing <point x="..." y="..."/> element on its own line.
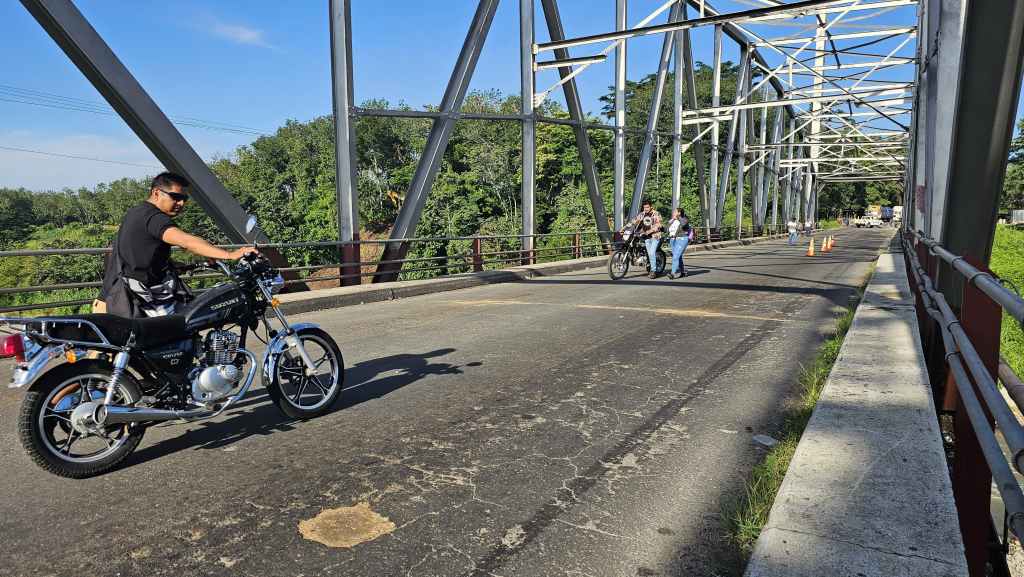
<point x="140" y="280"/>
<point x="651" y="231"/>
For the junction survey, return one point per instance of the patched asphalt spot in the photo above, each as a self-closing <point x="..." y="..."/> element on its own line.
<point x="346" y="527"/>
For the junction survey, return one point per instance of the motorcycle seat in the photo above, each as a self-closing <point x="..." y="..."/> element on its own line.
<point x="149" y="331"/>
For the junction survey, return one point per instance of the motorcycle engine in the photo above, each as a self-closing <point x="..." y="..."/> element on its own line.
<point x="218" y="375"/>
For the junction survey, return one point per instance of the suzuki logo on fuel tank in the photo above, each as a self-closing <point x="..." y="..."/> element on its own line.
<point x="219" y="306"/>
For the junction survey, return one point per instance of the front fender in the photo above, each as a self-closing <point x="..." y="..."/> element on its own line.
<point x="275" y="348"/>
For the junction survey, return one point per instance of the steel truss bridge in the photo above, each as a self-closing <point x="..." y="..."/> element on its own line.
<point x="919" y="92"/>
<point x="828" y="91"/>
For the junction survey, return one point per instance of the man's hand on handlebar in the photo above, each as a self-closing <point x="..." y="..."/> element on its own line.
<point x="241" y="252"/>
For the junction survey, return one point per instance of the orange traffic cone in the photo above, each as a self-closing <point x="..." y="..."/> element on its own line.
<point x="823" y="245"/>
<point x="832" y="243"/>
<point x="810" y="248"/>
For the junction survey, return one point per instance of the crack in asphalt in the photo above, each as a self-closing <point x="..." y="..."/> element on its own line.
<point x="633" y="444"/>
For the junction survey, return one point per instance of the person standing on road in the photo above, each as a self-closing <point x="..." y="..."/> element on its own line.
<point x="140" y="280"/>
<point x="793" y="229"/>
<point x="651" y="230"/>
<point x="679" y="231"/>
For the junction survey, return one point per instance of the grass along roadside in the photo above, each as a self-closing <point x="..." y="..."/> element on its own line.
<point x="1008" y="262"/>
<point x="748" y="516"/>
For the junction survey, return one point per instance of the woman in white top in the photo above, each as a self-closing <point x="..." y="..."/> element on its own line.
<point x="679" y="232"/>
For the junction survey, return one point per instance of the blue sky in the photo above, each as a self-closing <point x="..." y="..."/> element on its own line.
<point x="255" y="64"/>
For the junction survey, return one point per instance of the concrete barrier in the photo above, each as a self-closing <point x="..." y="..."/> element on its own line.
<point x="304" y="302"/>
<point x="868" y="491"/>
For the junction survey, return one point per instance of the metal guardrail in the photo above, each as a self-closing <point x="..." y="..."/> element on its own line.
<point x="975" y="384"/>
<point x="477" y="258"/>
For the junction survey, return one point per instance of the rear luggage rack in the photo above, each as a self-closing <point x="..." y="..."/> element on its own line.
<point x="39" y="328"/>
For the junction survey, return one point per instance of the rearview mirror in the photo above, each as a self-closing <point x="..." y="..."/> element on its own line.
<point x="250" y="225"/>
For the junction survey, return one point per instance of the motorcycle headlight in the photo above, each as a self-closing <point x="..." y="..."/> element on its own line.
<point x="647" y="221"/>
<point x="276" y="284"/>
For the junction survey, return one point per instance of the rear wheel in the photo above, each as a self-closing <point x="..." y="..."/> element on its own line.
<point x="618" y="264"/>
<point x="302" y="396"/>
<point x="659" y="256"/>
<point x="44" y="424"/>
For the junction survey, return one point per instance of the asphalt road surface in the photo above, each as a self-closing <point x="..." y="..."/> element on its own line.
<point x="568" y="425"/>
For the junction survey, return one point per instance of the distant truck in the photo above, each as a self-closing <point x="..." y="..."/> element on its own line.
<point x="887" y="214"/>
<point x="867" y="222"/>
<point x="897" y="214"/>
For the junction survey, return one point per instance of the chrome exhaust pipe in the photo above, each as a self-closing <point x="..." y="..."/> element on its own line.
<point x="106" y="415"/>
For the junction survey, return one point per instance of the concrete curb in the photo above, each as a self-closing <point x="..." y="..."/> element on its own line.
<point x="868" y="491"/>
<point x="304" y="302"/>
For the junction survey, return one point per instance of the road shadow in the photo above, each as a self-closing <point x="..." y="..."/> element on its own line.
<point x="257" y="416"/>
<point x="690" y="272"/>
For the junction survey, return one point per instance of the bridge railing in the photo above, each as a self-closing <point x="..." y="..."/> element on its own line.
<point x="79" y="270"/>
<point x="961" y="342"/>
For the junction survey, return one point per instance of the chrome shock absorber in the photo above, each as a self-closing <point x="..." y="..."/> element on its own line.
<point x="120" y="362"/>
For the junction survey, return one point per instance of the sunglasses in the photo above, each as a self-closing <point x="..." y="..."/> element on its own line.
<point x="175" y="196"/>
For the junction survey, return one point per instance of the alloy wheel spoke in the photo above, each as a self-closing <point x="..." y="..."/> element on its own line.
<point x="321" y="360"/>
<point x="51" y="414"/>
<point x="316" y="380"/>
<point x="297" y="399"/>
<point x="71" y="439"/>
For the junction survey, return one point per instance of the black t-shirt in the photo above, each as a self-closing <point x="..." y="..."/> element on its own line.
<point x="146" y="256"/>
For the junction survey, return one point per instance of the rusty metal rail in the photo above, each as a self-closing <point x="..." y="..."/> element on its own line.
<point x="481" y="254"/>
<point x="968" y="342"/>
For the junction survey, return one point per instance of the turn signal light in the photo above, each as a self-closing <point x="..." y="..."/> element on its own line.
<point x="12" y="346"/>
<point x="275" y="303"/>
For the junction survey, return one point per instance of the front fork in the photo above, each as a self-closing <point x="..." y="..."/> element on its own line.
<point x="291" y="338"/>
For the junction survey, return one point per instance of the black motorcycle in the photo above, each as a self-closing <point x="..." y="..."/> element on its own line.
<point x="633" y="251"/>
<point x="97" y="381"/>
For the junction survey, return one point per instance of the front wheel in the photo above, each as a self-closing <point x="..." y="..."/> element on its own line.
<point x="618" y="264"/>
<point x="302" y="396"/>
<point x="44" y="423"/>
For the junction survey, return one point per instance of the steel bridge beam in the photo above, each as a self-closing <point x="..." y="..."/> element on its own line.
<point x="619" y="152"/>
<point x="652" y="118"/>
<point x="804" y="8"/>
<point x="437" y="142"/>
<point x="990" y="83"/>
<point x="714" y="206"/>
<point x="91" y="54"/>
<point x="572" y="100"/>
<point x="730" y="142"/>
<point x="698" y="146"/>
<point x="677" y="115"/>
<point x="743" y="119"/>
<point x="344" y="136"/>
<point x="526" y="101"/>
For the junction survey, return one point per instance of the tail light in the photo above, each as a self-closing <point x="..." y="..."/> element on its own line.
<point x="13" y="346"/>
